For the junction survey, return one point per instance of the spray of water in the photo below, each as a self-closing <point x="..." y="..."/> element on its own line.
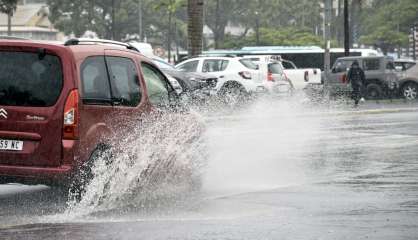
<point x="262" y="147"/>
<point x="162" y="157"/>
<point x="253" y="148"/>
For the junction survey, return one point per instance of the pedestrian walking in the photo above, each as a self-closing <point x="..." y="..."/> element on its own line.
<point x="357" y="79"/>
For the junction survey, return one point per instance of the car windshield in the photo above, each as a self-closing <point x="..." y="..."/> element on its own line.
<point x="248" y="63"/>
<point x="29" y="79"/>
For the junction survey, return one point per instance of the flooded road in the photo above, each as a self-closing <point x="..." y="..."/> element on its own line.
<point x="274" y="171"/>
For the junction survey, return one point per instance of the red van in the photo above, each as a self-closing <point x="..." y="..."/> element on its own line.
<point x="59" y="103"/>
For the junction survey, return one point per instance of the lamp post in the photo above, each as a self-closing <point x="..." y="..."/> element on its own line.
<point x="140" y="21"/>
<point x="346" y="30"/>
<point x="257" y="28"/>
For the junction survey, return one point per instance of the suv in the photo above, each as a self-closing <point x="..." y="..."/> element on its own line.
<point x="60" y="103"/>
<point x="381" y="78"/>
<point x="236" y="76"/>
<point x="408" y="75"/>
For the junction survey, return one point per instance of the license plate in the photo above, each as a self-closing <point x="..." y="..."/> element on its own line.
<point x="11" y="145"/>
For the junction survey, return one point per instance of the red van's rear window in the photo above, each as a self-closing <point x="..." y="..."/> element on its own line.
<point x="29" y="79"/>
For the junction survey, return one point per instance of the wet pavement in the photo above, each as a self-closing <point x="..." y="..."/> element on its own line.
<point x="275" y="171"/>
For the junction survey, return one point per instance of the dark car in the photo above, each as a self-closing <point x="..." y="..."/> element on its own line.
<point x="60" y="103"/>
<point x="195" y="84"/>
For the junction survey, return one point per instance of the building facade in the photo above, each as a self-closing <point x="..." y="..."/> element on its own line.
<point x="30" y="20"/>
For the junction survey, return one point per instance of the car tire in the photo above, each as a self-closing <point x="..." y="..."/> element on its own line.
<point x="374" y="91"/>
<point x="410" y="91"/>
<point x="84" y="173"/>
<point x="233" y="94"/>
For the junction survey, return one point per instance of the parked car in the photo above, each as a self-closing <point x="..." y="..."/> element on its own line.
<point x="381" y="77"/>
<point x="237" y="77"/>
<point x="276" y="81"/>
<point x="408" y="75"/>
<point x="403" y="65"/>
<point x="195" y="85"/>
<point x="300" y="78"/>
<point x="60" y="103"/>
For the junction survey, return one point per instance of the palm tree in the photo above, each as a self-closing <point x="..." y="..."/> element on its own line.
<point x="195" y="26"/>
<point x="8" y="7"/>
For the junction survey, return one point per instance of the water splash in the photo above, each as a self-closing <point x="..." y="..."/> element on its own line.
<point x="162" y="157"/>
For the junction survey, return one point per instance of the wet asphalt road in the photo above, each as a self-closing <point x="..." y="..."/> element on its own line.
<point x="275" y="172"/>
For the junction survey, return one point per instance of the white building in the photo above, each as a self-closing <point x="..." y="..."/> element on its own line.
<point x="30" y="20"/>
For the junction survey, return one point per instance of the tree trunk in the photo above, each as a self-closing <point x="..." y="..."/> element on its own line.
<point x="169" y="35"/>
<point x="9" y="23"/>
<point x="195" y="27"/>
<point x="216" y="30"/>
<point x="338" y="27"/>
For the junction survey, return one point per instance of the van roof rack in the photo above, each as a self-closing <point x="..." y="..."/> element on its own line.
<point x="77" y="41"/>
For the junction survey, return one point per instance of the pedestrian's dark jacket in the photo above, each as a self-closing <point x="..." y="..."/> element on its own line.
<point x="356" y="77"/>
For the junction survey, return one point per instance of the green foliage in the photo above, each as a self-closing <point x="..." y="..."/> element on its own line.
<point x="112" y="18"/>
<point x="387" y="23"/>
<point x="8" y="6"/>
<point x="273" y="37"/>
<point x="280" y="22"/>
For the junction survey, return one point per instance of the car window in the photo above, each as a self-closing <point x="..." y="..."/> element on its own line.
<point x="26" y="79"/>
<point x="408" y="65"/>
<point x="275" y="68"/>
<point x="95" y="81"/>
<point x="163" y="65"/>
<point x="342" y="65"/>
<point x="214" y="65"/>
<point x="390" y="66"/>
<point x="248" y="63"/>
<point x="371" y="64"/>
<point x="288" y="65"/>
<point x="124" y="81"/>
<point x="156" y="84"/>
<point x="189" y="66"/>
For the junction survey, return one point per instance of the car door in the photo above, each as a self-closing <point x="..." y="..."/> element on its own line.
<point x="126" y="89"/>
<point x="339" y="71"/>
<point x="371" y="68"/>
<point x="33" y="91"/>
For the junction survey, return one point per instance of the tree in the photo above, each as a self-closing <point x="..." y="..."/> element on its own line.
<point x="171" y="7"/>
<point x="8" y="7"/>
<point x="275" y="37"/>
<point x="195" y="26"/>
<point x="111" y="19"/>
<point x="383" y="26"/>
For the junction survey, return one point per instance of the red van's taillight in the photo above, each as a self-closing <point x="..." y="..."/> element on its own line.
<point x="70" y="129"/>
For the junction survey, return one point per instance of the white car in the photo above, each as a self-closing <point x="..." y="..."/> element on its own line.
<point x="276" y="82"/>
<point x="300" y="78"/>
<point x="236" y="76"/>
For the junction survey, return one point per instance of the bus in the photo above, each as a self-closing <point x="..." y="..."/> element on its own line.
<point x="301" y="56"/>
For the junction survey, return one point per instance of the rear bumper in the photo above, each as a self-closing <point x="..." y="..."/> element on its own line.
<point x="35" y="175"/>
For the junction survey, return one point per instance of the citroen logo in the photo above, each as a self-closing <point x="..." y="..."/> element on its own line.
<point x="3" y="113"/>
